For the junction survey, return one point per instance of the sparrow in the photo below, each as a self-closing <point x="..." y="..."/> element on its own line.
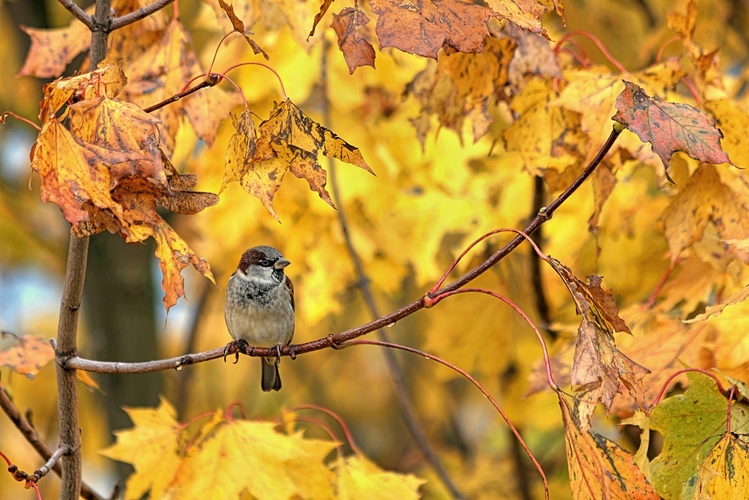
<point x="260" y="307"/>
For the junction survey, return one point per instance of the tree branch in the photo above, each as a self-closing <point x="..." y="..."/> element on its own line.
<point x="335" y="341"/>
<point x="36" y="441"/>
<point x="139" y="14"/>
<point x="67" y="329"/>
<point x="78" y="13"/>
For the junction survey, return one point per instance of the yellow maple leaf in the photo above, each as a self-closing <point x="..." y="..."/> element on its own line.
<point x="360" y="478"/>
<point x="154" y="444"/>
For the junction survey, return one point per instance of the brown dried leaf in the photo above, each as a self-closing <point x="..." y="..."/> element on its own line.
<point x="451" y="25"/>
<point x="187" y="202"/>
<point x="356" y="50"/>
<point x="669" y="127"/>
<point x="238" y="26"/>
<point x="598" y="365"/>
<point x="323" y="9"/>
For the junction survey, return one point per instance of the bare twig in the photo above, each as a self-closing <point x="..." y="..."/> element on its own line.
<point x="50" y="464"/>
<point x="182" y="392"/>
<point x="488" y="396"/>
<point x="333" y="341"/>
<point x="78" y="13"/>
<point x="542" y="305"/>
<point x="36" y="441"/>
<point x="407" y="411"/>
<point x="67" y="382"/>
<point x="139" y="14"/>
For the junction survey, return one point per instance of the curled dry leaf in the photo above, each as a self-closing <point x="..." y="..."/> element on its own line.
<point x="598" y="365"/>
<point x="324" y="6"/>
<point x="238" y="26"/>
<point x="356" y="50"/>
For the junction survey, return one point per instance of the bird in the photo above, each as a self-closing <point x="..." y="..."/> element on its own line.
<point x="260" y="307"/>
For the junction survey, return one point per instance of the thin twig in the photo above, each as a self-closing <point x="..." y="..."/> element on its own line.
<point x="36" y="441"/>
<point x="139" y="14"/>
<point x="332" y="341"/>
<point x="475" y="382"/>
<point x="49" y="465"/>
<point x="542" y="305"/>
<point x="363" y="281"/>
<point x="184" y="380"/>
<point x="78" y="13"/>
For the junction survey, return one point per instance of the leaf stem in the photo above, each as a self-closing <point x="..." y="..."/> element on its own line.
<point x="465" y="374"/>
<point x="254" y="63"/>
<point x="598" y="44"/>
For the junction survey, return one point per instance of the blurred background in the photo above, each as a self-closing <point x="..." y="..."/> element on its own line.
<point x="407" y="224"/>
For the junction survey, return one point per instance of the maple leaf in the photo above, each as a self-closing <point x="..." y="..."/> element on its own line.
<point x="359" y="478"/>
<point x="52" y="50"/>
<point x="28" y="356"/>
<point x="356" y="50"/>
<point x="705" y="199"/>
<point x="526" y="14"/>
<point x="154" y="444"/>
<point x="451" y="25"/>
<point x="462" y="86"/>
<point x="669" y="127"/>
<point x="288" y="140"/>
<point x="725" y="471"/>
<point x="534" y="56"/>
<point x="702" y="411"/>
<point x="598" y="366"/>
<point x="600" y="468"/>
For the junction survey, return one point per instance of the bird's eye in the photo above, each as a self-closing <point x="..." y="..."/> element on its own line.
<point x="265" y="263"/>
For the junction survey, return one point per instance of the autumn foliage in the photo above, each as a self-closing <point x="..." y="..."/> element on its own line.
<point x="595" y="342"/>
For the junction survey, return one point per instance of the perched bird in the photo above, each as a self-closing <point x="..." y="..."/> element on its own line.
<point x="260" y="306"/>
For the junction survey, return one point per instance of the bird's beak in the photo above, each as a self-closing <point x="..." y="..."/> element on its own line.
<point x="281" y="263"/>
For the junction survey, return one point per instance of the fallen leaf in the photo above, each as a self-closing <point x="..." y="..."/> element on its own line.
<point x="451" y="25"/>
<point x="669" y="127"/>
<point x="356" y="50"/>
